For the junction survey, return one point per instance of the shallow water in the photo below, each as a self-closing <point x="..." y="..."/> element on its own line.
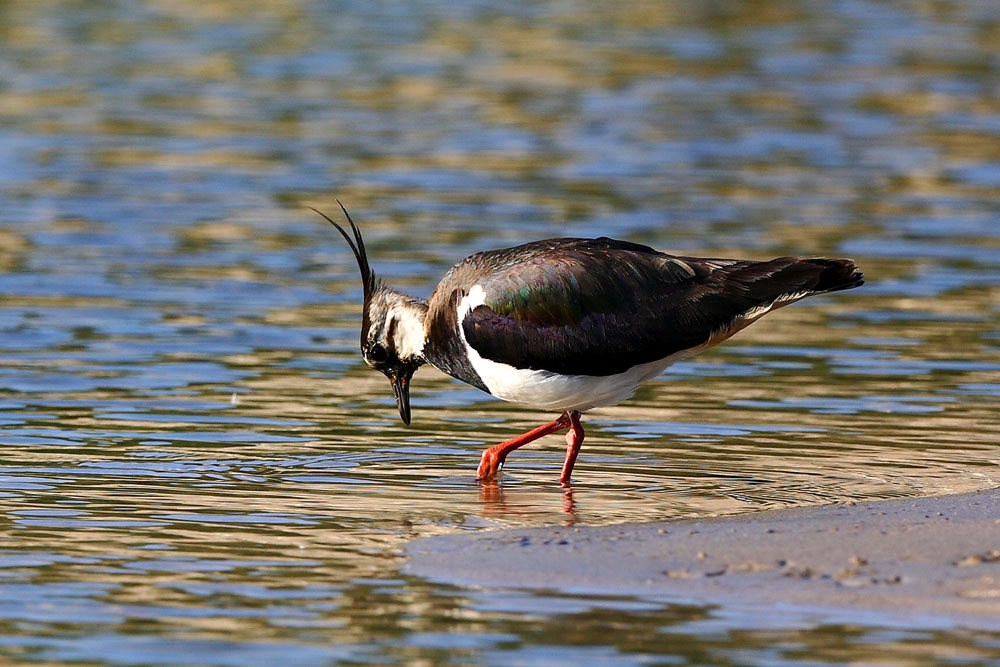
<point x="198" y="468"/>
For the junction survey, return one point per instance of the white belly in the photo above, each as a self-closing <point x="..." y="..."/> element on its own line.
<point x="552" y="391"/>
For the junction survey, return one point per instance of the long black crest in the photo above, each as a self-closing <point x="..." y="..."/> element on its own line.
<point x="357" y="247"/>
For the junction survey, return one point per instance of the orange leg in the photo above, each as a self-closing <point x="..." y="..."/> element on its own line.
<point x="573" y="441"/>
<point x="493" y="458"/>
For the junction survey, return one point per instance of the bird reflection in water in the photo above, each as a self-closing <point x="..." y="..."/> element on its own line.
<point x="491" y="495"/>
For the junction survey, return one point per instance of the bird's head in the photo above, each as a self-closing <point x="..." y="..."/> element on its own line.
<point x="392" y="328"/>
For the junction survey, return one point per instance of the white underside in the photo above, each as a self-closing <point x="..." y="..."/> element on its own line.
<point x="552" y="391"/>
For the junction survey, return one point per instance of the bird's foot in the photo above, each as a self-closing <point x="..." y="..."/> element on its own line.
<point x="490" y="465"/>
<point x="492" y="462"/>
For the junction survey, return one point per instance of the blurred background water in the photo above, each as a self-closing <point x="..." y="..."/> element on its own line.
<point x="197" y="467"/>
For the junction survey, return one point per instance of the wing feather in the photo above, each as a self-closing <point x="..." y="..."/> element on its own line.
<point x="600" y="306"/>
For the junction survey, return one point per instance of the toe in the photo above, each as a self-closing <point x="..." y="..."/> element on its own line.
<point x="489" y="466"/>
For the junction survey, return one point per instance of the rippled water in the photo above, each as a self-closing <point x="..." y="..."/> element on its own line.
<point x="198" y="468"/>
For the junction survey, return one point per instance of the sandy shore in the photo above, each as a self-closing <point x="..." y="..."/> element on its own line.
<point x="929" y="560"/>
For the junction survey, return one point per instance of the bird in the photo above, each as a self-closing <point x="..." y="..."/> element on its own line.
<point x="571" y="324"/>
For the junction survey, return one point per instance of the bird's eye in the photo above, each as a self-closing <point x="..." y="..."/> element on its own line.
<point x="377" y="354"/>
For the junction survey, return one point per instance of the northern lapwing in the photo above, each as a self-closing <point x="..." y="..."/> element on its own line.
<point x="572" y="324"/>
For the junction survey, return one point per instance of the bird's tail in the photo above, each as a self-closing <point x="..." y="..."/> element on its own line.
<point x="769" y="281"/>
<point x="835" y="274"/>
<point x="735" y="293"/>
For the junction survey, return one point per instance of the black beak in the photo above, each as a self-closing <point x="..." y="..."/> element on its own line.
<point x="401" y="389"/>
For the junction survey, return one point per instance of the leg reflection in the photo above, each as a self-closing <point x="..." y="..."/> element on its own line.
<point x="491" y="496"/>
<point x="568" y="504"/>
<point x="496" y="502"/>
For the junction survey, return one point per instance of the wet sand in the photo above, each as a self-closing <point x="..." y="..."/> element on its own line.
<point x="925" y="561"/>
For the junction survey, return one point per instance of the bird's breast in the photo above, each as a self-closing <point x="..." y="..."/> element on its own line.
<point x="444" y="344"/>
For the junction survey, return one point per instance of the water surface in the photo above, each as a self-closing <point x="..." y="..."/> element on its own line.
<point x="197" y="466"/>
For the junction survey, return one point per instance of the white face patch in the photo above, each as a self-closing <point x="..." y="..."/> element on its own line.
<point x="397" y="324"/>
<point x="408" y="334"/>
